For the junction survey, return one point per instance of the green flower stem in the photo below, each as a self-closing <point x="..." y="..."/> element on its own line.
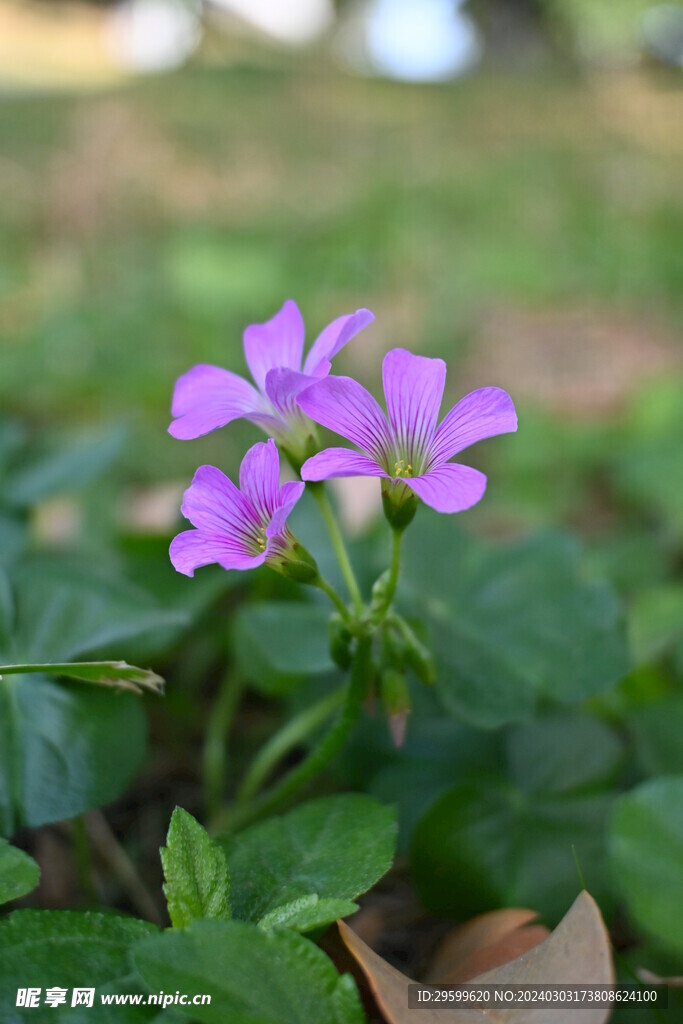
<point x="326" y="588"/>
<point x="394" y="619"/>
<point x="109" y="850"/>
<point x="395" y="565"/>
<point x="214" y="752"/>
<point x="291" y="734"/>
<point x="328" y="515"/>
<point x="83" y="860"/>
<point x="319" y="757"/>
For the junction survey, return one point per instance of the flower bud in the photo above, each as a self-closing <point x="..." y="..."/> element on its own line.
<point x="291" y="559"/>
<point x="380" y="593"/>
<point x="393" y="691"/>
<point x="420" y="660"/>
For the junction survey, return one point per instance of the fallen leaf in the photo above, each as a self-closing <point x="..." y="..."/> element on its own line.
<point x="577" y="952"/>
<point x="483" y="943"/>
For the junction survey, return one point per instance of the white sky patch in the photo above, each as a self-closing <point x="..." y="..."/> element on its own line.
<point x="289" y="21"/>
<point x="421" y="40"/>
<point x="153" y="35"/>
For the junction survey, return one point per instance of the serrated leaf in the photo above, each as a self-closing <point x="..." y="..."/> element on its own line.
<point x="196" y="873"/>
<point x="45" y="948"/>
<point x="646" y="855"/>
<point x="307" y="913"/>
<point x="116" y="674"/>
<point x="335" y="847"/>
<point x="19" y="873"/>
<point x="253" y="976"/>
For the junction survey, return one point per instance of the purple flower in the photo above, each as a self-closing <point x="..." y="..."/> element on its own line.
<point x="409" y="450"/>
<point x="237" y="528"/>
<point x="207" y="397"/>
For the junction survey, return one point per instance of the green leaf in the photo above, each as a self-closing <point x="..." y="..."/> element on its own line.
<point x="438" y="752"/>
<point x="19" y="873"/>
<point x="116" y="674"/>
<point x="61" y="608"/>
<point x="657" y="729"/>
<point x="648" y="469"/>
<point x="335" y="848"/>
<point x="195" y="870"/>
<point x="281" y="642"/>
<point x="13" y="537"/>
<point x="507" y="839"/>
<point x="515" y="625"/>
<point x="46" y="948"/>
<point x="253" y="976"/>
<point x="68" y="464"/>
<point x="656" y="622"/>
<point x="63" y="749"/>
<point x="646" y="854"/>
<point x="307" y="913"/>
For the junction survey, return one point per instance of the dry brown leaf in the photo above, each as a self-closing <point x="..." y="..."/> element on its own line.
<point x="577" y="952"/>
<point x="485" y="942"/>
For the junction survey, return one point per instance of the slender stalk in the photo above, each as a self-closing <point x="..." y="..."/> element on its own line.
<point x="319" y="757"/>
<point x="394" y="569"/>
<point x="214" y="752"/>
<point x="328" y="589"/>
<point x="335" y="533"/>
<point x="111" y="852"/>
<point x="290" y="736"/>
<point x="83" y="859"/>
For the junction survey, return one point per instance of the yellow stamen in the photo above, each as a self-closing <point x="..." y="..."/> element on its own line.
<point x="400" y="468"/>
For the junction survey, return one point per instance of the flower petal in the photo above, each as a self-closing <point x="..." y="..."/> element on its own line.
<point x="193" y="548"/>
<point x="213" y="504"/>
<point x="260" y="478"/>
<point x="332" y="339"/>
<point x="341" y="404"/>
<point x="289" y="495"/>
<point x="277" y="342"/>
<point x="413" y="387"/>
<point x="449" y="488"/>
<point x="282" y="388"/>
<point x="207" y="397"/>
<point x="335" y="462"/>
<point x="481" y="414"/>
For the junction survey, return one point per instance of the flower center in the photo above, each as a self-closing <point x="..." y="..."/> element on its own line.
<point x="259" y="539"/>
<point x="403" y="468"/>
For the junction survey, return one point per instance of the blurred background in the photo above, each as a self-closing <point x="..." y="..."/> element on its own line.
<point x="500" y="181"/>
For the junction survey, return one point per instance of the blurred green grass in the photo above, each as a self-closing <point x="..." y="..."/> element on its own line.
<point x="142" y="229"/>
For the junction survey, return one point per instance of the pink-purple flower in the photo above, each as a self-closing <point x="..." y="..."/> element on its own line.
<point x="208" y="397"/>
<point x="407" y="449"/>
<point x="239" y="528"/>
